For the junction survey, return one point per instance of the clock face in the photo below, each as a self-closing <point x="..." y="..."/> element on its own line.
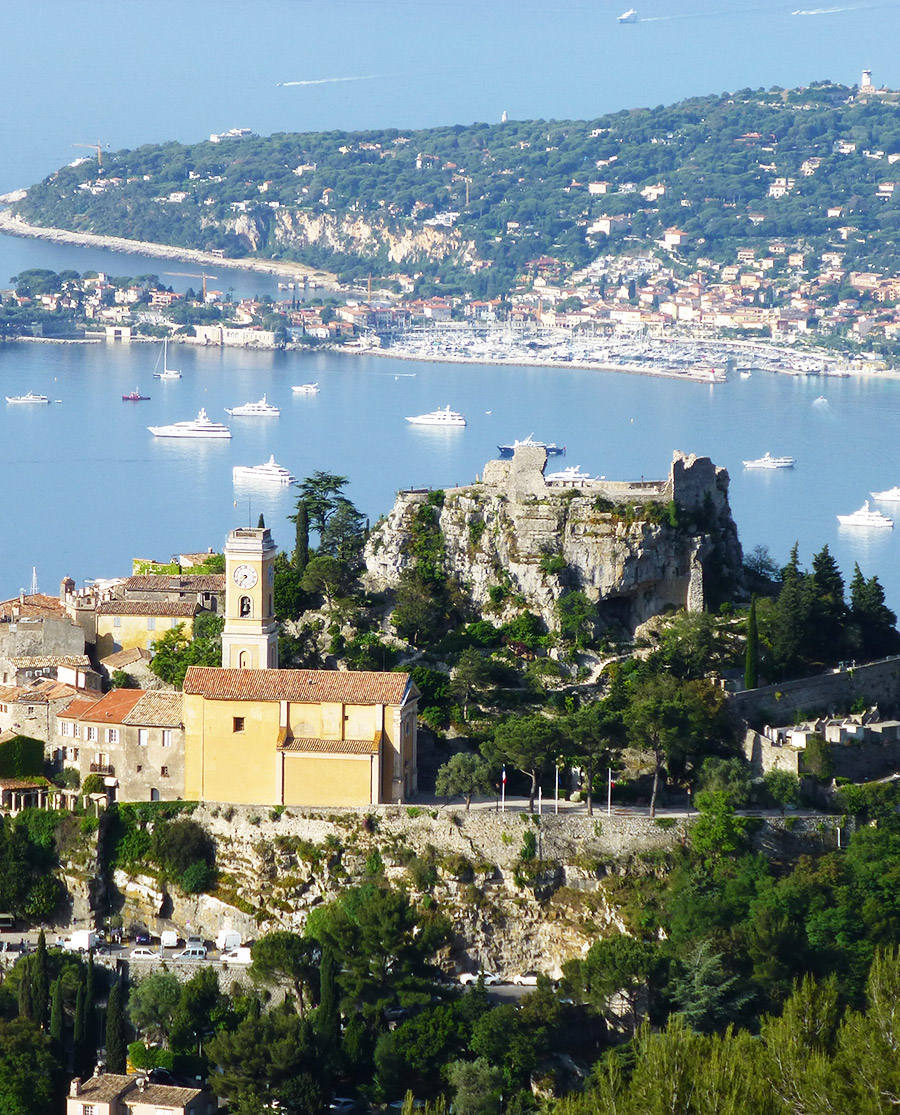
<point x="245" y="576"/>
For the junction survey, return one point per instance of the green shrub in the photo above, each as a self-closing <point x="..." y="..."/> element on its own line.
<point x="21" y="757"/>
<point x="529" y="846"/>
<point x="198" y="878"/>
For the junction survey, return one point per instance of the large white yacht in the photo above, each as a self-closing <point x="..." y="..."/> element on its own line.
<point x="200" y="427"/>
<point x="889" y="495"/>
<point x="865" y="518"/>
<point x="29" y="398"/>
<point x="443" y="416"/>
<point x="768" y="461"/>
<point x="306" y="388"/>
<point x="553" y="450"/>
<point x="262" y="409"/>
<point x="574" y="474"/>
<point x="269" y="473"/>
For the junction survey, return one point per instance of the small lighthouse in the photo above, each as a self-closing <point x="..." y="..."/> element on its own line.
<point x="866" y="82"/>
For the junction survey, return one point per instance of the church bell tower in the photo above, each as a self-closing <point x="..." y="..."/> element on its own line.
<point x="250" y="639"/>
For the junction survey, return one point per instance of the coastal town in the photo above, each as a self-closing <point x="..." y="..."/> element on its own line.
<point x="626" y="313"/>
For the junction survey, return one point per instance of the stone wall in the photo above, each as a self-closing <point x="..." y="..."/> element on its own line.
<point x="791" y="701"/>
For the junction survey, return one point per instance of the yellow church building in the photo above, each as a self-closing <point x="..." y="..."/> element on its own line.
<point x="258" y="735"/>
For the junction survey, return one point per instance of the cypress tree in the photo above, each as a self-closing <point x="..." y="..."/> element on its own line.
<point x="56" y="1012"/>
<point x="115" y="1030"/>
<point x="26" y="1002"/>
<point x="301" y="538"/>
<point x="751" y="663"/>
<point x="79" y="1032"/>
<point x="262" y="522"/>
<point x="328" y="1013"/>
<point x="90" y="1016"/>
<point x="40" y="983"/>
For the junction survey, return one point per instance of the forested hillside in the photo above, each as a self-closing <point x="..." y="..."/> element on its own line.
<point x="477" y="205"/>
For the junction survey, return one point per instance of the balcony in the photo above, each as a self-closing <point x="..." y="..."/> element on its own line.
<point x="100" y="768"/>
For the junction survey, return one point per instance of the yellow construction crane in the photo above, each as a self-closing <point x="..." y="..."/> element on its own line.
<point x="98" y="147"/>
<point x="190" y="275"/>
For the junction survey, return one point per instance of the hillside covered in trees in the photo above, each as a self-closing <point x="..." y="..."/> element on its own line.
<point x="478" y="206"/>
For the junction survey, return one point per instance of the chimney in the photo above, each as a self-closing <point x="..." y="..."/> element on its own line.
<point x="75" y="1087"/>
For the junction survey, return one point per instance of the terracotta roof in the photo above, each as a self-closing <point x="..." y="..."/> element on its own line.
<point x="41" y="689"/>
<point x="35" y="606"/>
<point x="36" y="783"/>
<point x="23" y="662"/>
<point x="352" y="687"/>
<point x="331" y="746"/>
<point x="184" y="582"/>
<point x="157" y="709"/>
<point x="125" y="658"/>
<point x="111" y="709"/>
<point x="183" y="608"/>
<point x="77" y="708"/>
<point x="104" y="1088"/>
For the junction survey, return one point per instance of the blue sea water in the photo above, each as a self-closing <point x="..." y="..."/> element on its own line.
<point x="88" y="487"/>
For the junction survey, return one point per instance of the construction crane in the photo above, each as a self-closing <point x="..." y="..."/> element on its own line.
<point x="98" y="147"/>
<point x="190" y="275"/>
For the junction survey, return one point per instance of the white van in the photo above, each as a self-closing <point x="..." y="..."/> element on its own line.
<point x="238" y="956"/>
<point x="168" y="939"/>
<point x="227" y="939"/>
<point x="195" y="952"/>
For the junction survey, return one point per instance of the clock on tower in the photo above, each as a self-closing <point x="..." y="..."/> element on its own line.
<point x="249" y="640"/>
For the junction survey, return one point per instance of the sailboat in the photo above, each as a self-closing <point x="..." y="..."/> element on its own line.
<point x="167" y="372"/>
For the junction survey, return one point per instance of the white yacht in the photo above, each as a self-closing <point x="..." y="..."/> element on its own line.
<point x="306" y="388"/>
<point x="768" y="461"/>
<point x="262" y="409"/>
<point x="630" y="16"/>
<point x="889" y="495"/>
<point x="572" y="474"/>
<point x="865" y="518"/>
<point x="29" y="398"/>
<point x="167" y="372"/>
<point x="443" y="416"/>
<point x="553" y="450"/>
<point x="200" y="427"/>
<point x="269" y="473"/>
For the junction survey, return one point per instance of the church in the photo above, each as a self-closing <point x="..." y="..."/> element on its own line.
<point x="258" y="735"/>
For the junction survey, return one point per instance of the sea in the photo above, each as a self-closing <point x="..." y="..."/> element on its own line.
<point x="88" y="488"/>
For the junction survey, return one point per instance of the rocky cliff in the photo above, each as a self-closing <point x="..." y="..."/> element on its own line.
<point x="634" y="548"/>
<point x="351" y="234"/>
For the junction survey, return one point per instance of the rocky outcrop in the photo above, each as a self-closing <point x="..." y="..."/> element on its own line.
<point x="634" y="548"/>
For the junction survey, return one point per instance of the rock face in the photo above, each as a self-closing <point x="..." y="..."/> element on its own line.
<point x="634" y="548"/>
<point x="348" y="235"/>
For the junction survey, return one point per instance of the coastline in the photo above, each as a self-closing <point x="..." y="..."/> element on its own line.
<point x="15" y="226"/>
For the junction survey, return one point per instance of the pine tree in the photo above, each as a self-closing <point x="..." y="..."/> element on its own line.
<point x="872" y="618"/>
<point x="115" y="1030"/>
<point x="40" y="983"/>
<point x="56" y="1012"/>
<point x="751" y="663"/>
<point x="790" y="632"/>
<point x="827" y="607"/>
<point x="26" y="1002"/>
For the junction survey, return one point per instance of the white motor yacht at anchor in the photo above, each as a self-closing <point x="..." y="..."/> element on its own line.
<point x="200" y="427"/>
<point x="768" y="461"/>
<point x="29" y="398"/>
<point x="889" y="495"/>
<point x="574" y="475"/>
<point x="269" y="473"/>
<point x="306" y="388"/>
<point x="262" y="409"/>
<point x="866" y="518"/>
<point x="443" y="416"/>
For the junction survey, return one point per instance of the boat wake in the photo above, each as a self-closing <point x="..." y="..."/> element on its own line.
<point x="823" y="11"/>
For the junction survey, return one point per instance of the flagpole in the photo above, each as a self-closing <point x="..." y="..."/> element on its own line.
<point x="609" y="793"/>
<point x="540" y="800"/>
<point x="503" y="790"/>
<point x="556" y="800"/>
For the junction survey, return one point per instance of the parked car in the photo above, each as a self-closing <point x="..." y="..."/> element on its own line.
<point x="489" y="978"/>
<point x="143" y="953"/>
<point x="142" y="938"/>
<point x="195" y="943"/>
<point x="344" y="1105"/>
<point x="526" y="979"/>
<point x="242" y="955"/>
<point x="195" y="952"/>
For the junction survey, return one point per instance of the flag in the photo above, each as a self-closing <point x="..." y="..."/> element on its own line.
<point x="504" y="775"/>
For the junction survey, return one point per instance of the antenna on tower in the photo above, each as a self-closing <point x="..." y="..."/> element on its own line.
<point x="34" y="584"/>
